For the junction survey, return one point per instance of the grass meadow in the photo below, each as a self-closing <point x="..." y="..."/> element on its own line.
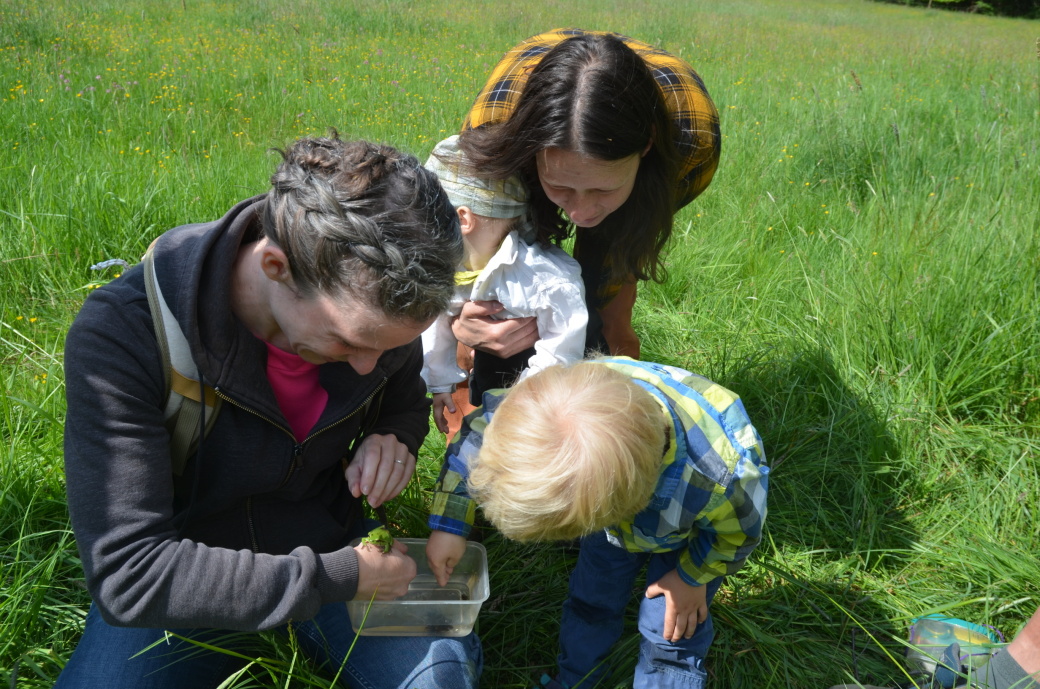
<point x="863" y="271"/>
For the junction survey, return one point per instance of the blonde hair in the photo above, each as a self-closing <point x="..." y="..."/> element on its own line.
<point x="569" y="450"/>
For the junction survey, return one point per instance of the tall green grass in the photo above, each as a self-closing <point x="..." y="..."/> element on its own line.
<point x="863" y="271"/>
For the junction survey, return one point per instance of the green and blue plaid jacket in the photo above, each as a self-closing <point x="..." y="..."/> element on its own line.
<point x="710" y="499"/>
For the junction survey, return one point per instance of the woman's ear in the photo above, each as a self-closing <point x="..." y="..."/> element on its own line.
<point x="275" y="263"/>
<point x="650" y="143"/>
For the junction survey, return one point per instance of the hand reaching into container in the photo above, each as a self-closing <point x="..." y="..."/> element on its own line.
<point x="443" y="552"/>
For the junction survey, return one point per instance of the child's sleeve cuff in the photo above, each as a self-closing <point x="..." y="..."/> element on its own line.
<point x="452" y="513"/>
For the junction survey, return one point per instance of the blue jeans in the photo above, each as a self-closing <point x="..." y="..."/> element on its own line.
<point x="593" y="619"/>
<point x="107" y="656"/>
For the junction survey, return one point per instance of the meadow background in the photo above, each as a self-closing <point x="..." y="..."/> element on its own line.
<point x="863" y="271"/>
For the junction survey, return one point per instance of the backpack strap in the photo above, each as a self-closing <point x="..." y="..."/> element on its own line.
<point x="183" y="399"/>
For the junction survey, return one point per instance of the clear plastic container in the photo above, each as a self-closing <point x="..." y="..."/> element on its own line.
<point x="428" y="609"/>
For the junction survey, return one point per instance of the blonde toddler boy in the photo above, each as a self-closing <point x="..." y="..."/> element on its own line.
<point x="651" y="466"/>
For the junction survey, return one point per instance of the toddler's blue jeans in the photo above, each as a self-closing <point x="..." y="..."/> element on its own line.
<point x="593" y="619"/>
<point x="111" y="657"/>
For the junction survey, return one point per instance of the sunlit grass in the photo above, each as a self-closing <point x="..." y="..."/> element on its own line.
<point x="863" y="271"/>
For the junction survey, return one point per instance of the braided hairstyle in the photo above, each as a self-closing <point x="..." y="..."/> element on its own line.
<point x="366" y="220"/>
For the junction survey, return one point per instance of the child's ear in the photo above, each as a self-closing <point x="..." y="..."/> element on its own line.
<point x="467" y="219"/>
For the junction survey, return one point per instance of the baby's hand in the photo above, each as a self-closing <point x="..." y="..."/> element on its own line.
<point x="685" y="606"/>
<point x="442" y="400"/>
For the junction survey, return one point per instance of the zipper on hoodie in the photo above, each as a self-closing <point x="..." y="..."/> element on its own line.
<point x="297" y="447"/>
<point x="297" y="458"/>
<point x="363" y="405"/>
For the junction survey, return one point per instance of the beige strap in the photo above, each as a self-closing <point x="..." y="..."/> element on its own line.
<point x="189" y="388"/>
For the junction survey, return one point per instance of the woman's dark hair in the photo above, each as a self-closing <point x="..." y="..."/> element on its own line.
<point x="364" y="219"/>
<point x="592" y="95"/>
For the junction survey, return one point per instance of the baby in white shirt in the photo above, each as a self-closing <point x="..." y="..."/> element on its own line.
<point x="502" y="262"/>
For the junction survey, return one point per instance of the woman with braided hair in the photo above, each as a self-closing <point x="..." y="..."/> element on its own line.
<point x="301" y="308"/>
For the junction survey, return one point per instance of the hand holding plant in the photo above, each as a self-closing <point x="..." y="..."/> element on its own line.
<point x="383" y="574"/>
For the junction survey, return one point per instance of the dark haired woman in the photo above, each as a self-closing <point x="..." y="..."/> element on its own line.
<point x="612" y="137"/>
